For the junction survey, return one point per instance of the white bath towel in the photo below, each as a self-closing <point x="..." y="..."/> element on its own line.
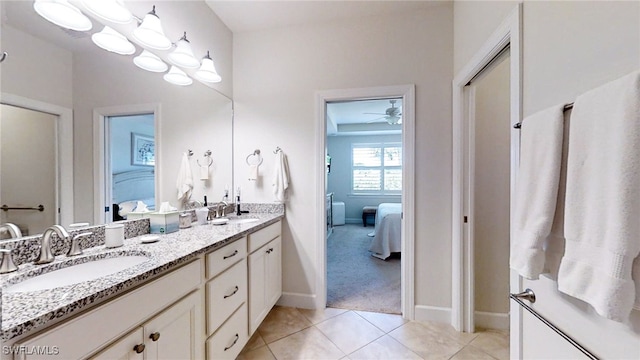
<point x="536" y="189"/>
<point x="204" y="172"/>
<point x="280" y="177"/>
<point x="602" y="207"/>
<point x="184" y="183"/>
<point x="253" y="172"/>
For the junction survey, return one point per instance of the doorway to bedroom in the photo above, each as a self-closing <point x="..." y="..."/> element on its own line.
<point x="364" y="204"/>
<point x="129" y="165"/>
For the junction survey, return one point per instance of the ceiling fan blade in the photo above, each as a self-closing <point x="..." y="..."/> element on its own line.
<point x="376" y="120"/>
<point x="374" y="114"/>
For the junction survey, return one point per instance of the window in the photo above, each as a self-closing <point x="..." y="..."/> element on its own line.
<point x="376" y="168"/>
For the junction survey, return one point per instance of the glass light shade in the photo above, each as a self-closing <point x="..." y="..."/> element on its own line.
<point x="183" y="55"/>
<point x="207" y="71"/>
<point x="110" y="10"/>
<point x="150" y="33"/>
<point x="113" y="41"/>
<point x="177" y="77"/>
<point x="63" y="14"/>
<point x="150" y="62"/>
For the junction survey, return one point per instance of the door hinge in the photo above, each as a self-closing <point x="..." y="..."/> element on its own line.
<point x="465" y="220"/>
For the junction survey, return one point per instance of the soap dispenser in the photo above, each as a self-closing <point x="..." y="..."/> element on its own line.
<point x="238" y="201"/>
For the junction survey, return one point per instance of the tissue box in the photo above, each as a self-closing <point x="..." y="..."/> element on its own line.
<point x="164" y="223"/>
<point x="137" y="215"/>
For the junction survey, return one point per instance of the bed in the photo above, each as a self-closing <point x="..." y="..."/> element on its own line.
<point x="386" y="235"/>
<point x="129" y="187"/>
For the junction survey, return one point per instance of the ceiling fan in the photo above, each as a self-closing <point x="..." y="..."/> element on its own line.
<point x="392" y="115"/>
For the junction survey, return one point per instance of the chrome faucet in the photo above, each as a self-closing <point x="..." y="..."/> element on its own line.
<point x="45" y="249"/>
<point x="13" y="230"/>
<point x="220" y="208"/>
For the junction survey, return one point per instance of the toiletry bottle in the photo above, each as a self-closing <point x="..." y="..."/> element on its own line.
<point x="238" y="202"/>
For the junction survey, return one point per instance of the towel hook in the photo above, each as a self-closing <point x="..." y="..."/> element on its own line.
<point x="277" y="150"/>
<point x="189" y="152"/>
<point x="4" y="56"/>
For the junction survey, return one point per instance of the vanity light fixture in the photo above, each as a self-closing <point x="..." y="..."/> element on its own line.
<point x="110" y="10"/>
<point x="63" y="14"/>
<point x="183" y="55"/>
<point x="177" y="77"/>
<point x="150" y="62"/>
<point x="207" y="71"/>
<point x="149" y="33"/>
<point x="113" y="41"/>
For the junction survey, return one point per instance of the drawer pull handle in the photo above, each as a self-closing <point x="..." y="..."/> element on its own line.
<point x="139" y="348"/>
<point x="155" y="336"/>
<point x="233" y="293"/>
<point x="232" y="255"/>
<point x="234" y="342"/>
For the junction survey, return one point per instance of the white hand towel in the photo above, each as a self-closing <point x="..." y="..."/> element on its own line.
<point x="536" y="189"/>
<point x="280" y="177"/>
<point x="253" y="172"/>
<point x="184" y="184"/>
<point x="602" y="205"/>
<point x="204" y="172"/>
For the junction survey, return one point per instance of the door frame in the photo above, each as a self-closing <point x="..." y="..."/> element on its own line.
<point x="102" y="167"/>
<point x="64" y="151"/>
<point x="407" y="267"/>
<point x="509" y="33"/>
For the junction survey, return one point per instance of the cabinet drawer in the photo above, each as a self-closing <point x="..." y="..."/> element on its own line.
<point x="263" y="236"/>
<point x="223" y="258"/>
<point x="229" y="340"/>
<point x="225" y="294"/>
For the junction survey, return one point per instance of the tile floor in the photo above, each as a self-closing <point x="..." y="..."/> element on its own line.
<point x="290" y="333"/>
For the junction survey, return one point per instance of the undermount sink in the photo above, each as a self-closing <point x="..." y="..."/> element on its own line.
<point x="77" y="273"/>
<point x="243" y="221"/>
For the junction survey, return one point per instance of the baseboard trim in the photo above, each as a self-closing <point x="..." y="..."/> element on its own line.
<point x="302" y="301"/>
<point x="489" y="320"/>
<point x="433" y="313"/>
<point x="353" y="220"/>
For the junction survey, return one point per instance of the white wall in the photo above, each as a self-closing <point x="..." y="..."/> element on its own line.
<point x="276" y="76"/>
<point x="569" y="48"/>
<point x="121" y="129"/>
<point x="27" y="155"/>
<point x="339" y="180"/>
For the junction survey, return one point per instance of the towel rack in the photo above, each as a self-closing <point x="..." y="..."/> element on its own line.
<point x="7" y="208"/>
<point x="566" y="107"/>
<point x="257" y="156"/>
<point x="529" y="295"/>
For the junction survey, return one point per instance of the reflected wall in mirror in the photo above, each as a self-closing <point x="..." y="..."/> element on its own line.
<point x="28" y="166"/>
<point x="63" y="68"/>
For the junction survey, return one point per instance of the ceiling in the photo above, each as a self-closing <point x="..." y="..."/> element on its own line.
<point x="242" y="16"/>
<point x="354" y="118"/>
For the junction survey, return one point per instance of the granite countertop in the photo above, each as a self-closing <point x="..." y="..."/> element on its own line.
<point x="24" y="312"/>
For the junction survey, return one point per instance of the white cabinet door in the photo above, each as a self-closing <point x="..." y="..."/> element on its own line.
<point x="265" y="281"/>
<point x="257" y="286"/>
<point x="176" y="333"/>
<point x="130" y="347"/>
<point x="273" y="273"/>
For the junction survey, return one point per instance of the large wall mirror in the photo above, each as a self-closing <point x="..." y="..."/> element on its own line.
<point x="130" y="128"/>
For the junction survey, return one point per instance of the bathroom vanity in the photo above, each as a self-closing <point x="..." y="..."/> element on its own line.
<point x="202" y="294"/>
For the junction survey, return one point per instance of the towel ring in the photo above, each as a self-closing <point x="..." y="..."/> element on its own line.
<point x="258" y="158"/>
<point x="207" y="154"/>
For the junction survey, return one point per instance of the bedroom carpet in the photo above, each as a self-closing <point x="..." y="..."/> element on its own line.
<point x="355" y="279"/>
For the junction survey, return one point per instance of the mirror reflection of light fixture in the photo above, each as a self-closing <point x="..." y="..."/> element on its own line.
<point x="150" y="62"/>
<point x="113" y="41"/>
<point x="207" y="71"/>
<point x="110" y="10"/>
<point x="177" y="77"/>
<point x="63" y="14"/>
<point x="183" y="55"/>
<point x="150" y="32"/>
